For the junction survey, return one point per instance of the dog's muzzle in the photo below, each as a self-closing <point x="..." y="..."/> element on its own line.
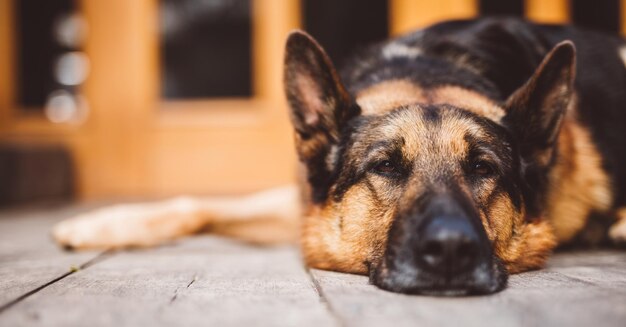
<point x="441" y="249"/>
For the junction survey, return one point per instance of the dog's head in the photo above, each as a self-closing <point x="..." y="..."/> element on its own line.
<point x="436" y="191"/>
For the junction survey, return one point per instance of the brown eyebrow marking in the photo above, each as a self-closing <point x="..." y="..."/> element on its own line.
<point x="468" y="100"/>
<point x="388" y="95"/>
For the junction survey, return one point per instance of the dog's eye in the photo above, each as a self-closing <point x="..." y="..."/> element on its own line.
<point x="385" y="167"/>
<point x="482" y="168"/>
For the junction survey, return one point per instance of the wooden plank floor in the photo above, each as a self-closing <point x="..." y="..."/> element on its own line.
<point x="208" y="280"/>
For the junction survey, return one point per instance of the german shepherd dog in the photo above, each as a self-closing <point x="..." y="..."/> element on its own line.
<point x="438" y="162"/>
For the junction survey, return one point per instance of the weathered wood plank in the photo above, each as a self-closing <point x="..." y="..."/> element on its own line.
<point x="200" y="281"/>
<point x="216" y="281"/>
<point x="577" y="290"/>
<point x="604" y="269"/>
<point x="28" y="257"/>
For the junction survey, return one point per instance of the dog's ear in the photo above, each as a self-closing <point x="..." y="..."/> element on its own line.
<point x="320" y="104"/>
<point x="535" y="110"/>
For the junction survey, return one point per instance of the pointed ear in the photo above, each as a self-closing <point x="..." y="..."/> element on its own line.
<point x="319" y="102"/>
<point x="535" y="110"/>
<point x="320" y="107"/>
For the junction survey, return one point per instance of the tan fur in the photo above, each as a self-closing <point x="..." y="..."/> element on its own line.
<point x="532" y="249"/>
<point x="578" y="184"/>
<point x="469" y="100"/>
<point x="578" y="187"/>
<point x="389" y="95"/>
<point x="344" y="235"/>
<point x="521" y="246"/>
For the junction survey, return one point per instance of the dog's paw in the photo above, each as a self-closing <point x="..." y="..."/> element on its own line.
<point x="103" y="228"/>
<point x="617" y="232"/>
<point x="126" y="226"/>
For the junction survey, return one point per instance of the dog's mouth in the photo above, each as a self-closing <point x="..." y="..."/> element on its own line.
<point x="407" y="278"/>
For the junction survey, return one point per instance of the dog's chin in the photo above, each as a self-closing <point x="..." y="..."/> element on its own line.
<point x="485" y="279"/>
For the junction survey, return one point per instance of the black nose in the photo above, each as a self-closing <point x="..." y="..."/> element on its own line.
<point x="449" y="245"/>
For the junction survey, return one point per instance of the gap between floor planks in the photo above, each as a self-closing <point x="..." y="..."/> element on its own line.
<point x="102" y="256"/>
<point x="290" y="286"/>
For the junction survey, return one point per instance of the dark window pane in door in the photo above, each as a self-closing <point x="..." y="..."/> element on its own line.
<point x="344" y="26"/>
<point x="601" y="15"/>
<point x="205" y="48"/>
<point x="37" y="49"/>
<point x="502" y="7"/>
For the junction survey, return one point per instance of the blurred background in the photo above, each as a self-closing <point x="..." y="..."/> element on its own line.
<point x="151" y="98"/>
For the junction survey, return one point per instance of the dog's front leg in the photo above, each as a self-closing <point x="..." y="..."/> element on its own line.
<point x="272" y="215"/>
<point x="131" y="225"/>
